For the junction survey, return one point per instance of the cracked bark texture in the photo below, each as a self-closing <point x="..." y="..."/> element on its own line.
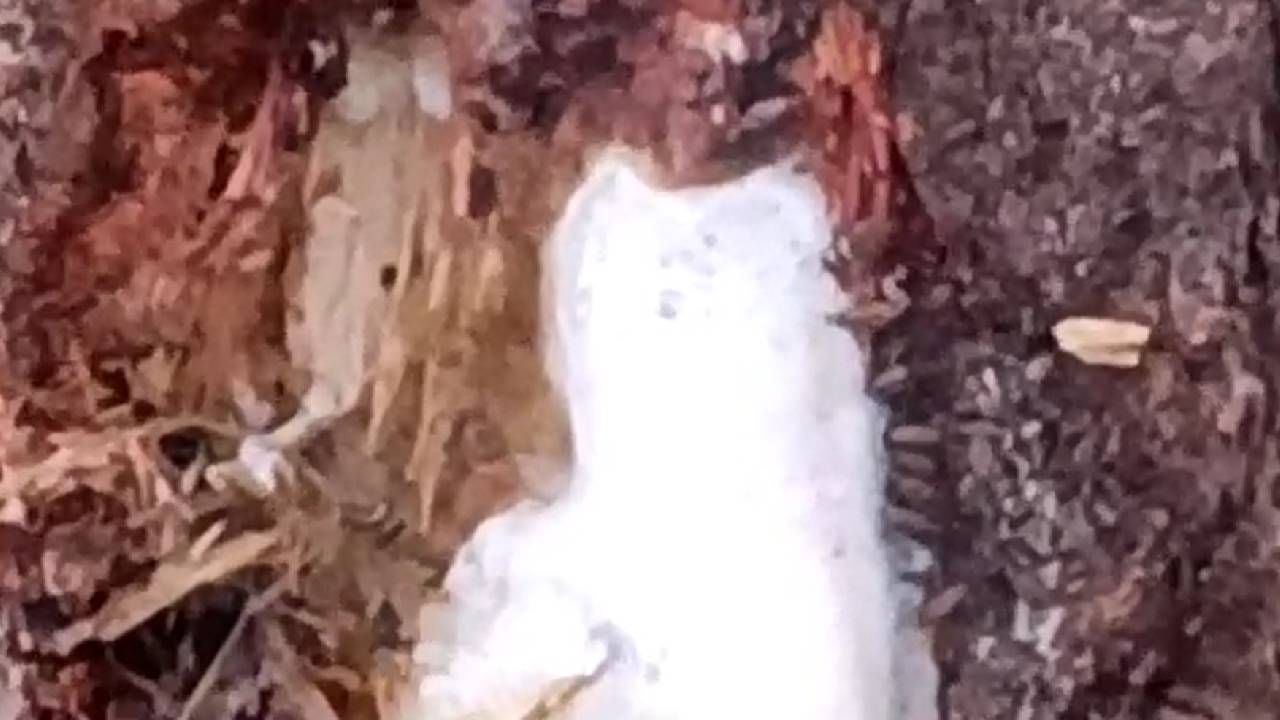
<point x="1106" y="540"/>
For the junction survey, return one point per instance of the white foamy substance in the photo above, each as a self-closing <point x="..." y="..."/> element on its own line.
<point x="718" y="554"/>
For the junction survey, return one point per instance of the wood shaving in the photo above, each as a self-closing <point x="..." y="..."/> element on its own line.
<point x="1102" y="341"/>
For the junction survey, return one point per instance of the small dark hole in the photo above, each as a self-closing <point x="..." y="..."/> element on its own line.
<point x="12" y="34"/>
<point x="44" y="615"/>
<point x="115" y="381"/>
<point x="224" y="163"/>
<point x="211" y="617"/>
<point x="484" y="192"/>
<point x="1256" y="271"/>
<point x="387" y="277"/>
<point x="1053" y="130"/>
<point x="487" y="119"/>
<point x="386" y="626"/>
<point x="182" y="447"/>
<point x="144" y="411"/>
<point x="1138" y="225"/>
<point x="23" y="167"/>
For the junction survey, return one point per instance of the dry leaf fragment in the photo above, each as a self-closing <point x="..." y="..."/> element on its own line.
<point x="1102" y="341"/>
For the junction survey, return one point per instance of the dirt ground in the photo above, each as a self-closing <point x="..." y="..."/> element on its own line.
<point x="1104" y="540"/>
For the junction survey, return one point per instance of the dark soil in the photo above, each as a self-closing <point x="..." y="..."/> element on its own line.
<point x="1106" y="539"/>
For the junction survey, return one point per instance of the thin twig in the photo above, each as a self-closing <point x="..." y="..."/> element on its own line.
<point x="557" y="700"/>
<point x="211" y="673"/>
<point x="159" y="698"/>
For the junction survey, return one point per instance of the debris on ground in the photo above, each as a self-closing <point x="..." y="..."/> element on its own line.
<point x="237" y="453"/>
<point x="1104" y="536"/>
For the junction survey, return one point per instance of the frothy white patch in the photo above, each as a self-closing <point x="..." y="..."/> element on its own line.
<point x="720" y="540"/>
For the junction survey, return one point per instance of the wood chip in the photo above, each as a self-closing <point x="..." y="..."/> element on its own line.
<point x="1102" y="341"/>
